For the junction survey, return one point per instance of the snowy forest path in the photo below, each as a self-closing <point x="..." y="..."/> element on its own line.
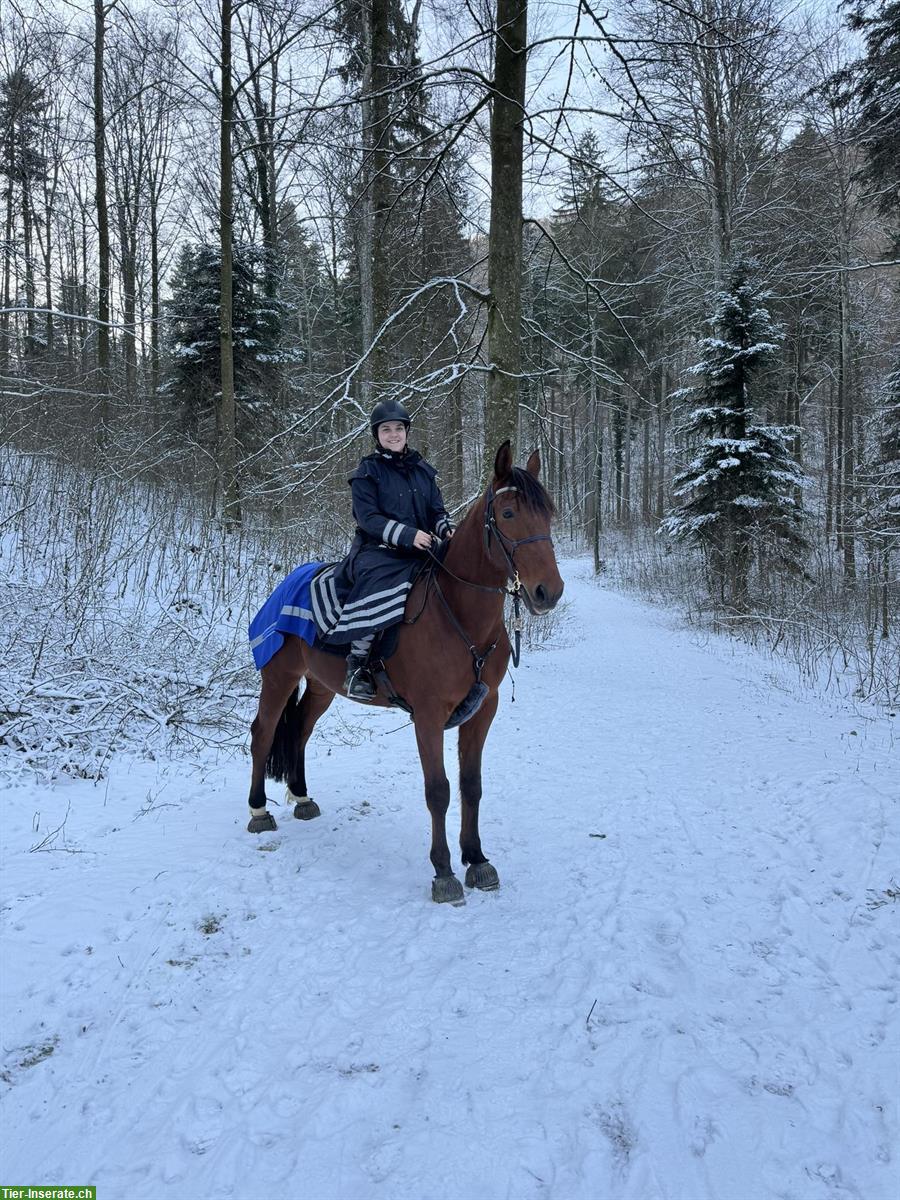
<point x="686" y="986"/>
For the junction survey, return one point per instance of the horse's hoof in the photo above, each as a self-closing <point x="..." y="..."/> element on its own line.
<point x="447" y="889"/>
<point x="482" y="876"/>
<point x="306" y="810"/>
<point x="262" y="824"/>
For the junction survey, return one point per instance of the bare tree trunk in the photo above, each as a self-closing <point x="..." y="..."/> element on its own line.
<point x="227" y="449"/>
<point x="618" y="458"/>
<point x="505" y="247"/>
<point x="647" y="471"/>
<point x="28" y="248"/>
<point x="885" y="592"/>
<point x="45" y="236"/>
<point x="262" y="151"/>
<point x="103" y="376"/>
<point x="847" y="466"/>
<point x="457" y="447"/>
<point x="597" y="426"/>
<point x="709" y="73"/>
<point x="154" y="298"/>
<point x="85" y="306"/>
<point x="626" y="466"/>
<point x="5" y="324"/>
<point x="48" y="285"/>
<point x="374" y="268"/>
<point x="128" y="243"/>
<point x="828" y="426"/>
<point x="661" y="429"/>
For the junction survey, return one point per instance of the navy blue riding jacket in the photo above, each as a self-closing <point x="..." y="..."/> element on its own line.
<point x="393" y="496"/>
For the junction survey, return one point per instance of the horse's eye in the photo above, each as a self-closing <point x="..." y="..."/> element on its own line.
<point x="508" y="513"/>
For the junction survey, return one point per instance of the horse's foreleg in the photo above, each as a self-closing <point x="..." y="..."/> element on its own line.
<point x="277" y="688"/>
<point x="472" y="735"/>
<point x="316" y="699"/>
<point x="445" y="887"/>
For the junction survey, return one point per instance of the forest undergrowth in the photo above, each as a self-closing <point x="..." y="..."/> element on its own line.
<point x="829" y="628"/>
<point x="124" y="609"/>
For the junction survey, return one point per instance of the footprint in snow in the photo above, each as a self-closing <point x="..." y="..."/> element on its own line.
<point x="705" y="1132"/>
<point x="382" y="1162"/>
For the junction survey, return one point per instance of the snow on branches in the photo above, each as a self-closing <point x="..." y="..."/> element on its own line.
<point x="742" y="487"/>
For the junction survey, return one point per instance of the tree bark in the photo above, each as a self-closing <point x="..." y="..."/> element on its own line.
<point x="374" y="268"/>
<point x="597" y="426"/>
<point x="28" y="248"/>
<point x="154" y="296"/>
<point x="5" y="323"/>
<point x="226" y="459"/>
<point x="661" y="424"/>
<point x="103" y="253"/>
<point x="127" y="216"/>
<point x="47" y="250"/>
<point x="505" y="246"/>
<point x="618" y="457"/>
<point x="647" y="470"/>
<point x="847" y="465"/>
<point x="626" y="465"/>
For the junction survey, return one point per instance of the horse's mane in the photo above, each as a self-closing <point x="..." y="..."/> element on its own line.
<point x="532" y="492"/>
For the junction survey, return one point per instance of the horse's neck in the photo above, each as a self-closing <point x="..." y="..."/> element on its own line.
<point x="478" y="611"/>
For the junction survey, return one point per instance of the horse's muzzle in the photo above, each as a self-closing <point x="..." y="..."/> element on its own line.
<point x="542" y="599"/>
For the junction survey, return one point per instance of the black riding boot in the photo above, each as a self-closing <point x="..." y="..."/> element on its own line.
<point x="359" y="682"/>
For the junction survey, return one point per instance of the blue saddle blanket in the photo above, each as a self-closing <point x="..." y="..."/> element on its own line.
<point x="287" y="610"/>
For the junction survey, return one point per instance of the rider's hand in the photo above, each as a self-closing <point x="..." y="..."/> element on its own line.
<point x="422" y="540"/>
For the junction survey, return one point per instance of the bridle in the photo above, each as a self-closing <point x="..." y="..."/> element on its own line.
<point x="509" y="546"/>
<point x="492" y="528"/>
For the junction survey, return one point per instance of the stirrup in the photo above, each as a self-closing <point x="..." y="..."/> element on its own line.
<point x="359" y="684"/>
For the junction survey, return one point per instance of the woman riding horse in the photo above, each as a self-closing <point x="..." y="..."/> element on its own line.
<point x="399" y="511"/>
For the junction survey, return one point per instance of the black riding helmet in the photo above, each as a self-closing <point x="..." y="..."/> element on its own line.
<point x="388" y="410"/>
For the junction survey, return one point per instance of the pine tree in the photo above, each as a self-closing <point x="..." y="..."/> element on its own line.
<point x="875" y="81"/>
<point x="743" y="483"/>
<point x="194" y="375"/>
<point x="23" y="110"/>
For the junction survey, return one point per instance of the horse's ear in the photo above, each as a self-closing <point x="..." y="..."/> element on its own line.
<point x="503" y="463"/>
<point x="533" y="466"/>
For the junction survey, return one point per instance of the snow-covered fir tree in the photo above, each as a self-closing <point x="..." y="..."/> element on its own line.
<point x="741" y="488"/>
<point x="260" y="344"/>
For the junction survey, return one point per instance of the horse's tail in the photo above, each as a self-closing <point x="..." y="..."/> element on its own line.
<point x="283" y="757"/>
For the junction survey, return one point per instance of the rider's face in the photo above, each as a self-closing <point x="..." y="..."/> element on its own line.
<point x="392" y="435"/>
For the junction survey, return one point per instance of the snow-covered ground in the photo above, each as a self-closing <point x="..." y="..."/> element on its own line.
<point x="686" y="987"/>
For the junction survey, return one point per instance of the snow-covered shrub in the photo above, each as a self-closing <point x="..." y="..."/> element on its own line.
<point x="123" y="613"/>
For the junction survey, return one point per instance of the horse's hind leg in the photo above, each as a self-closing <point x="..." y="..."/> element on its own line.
<point x="480" y="874"/>
<point x="316" y="699"/>
<point x="280" y="680"/>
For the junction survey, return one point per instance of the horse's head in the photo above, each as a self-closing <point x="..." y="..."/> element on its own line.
<point x="517" y="517"/>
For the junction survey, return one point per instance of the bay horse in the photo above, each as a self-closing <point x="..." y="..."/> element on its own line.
<point x="453" y="633"/>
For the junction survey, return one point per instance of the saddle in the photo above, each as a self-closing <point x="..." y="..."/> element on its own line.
<point x="383" y="648"/>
